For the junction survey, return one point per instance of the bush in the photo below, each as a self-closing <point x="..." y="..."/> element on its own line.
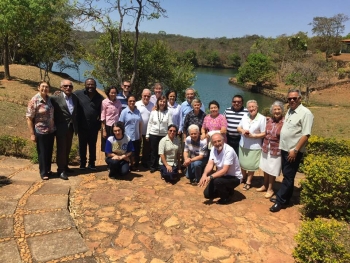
<point x="326" y="189"/>
<point x="34" y="158"/>
<point x="12" y="145"/>
<point x="323" y="240"/>
<point x="328" y="146"/>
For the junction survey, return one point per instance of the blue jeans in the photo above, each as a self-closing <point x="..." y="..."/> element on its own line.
<point x="194" y="170"/>
<point x="117" y="167"/>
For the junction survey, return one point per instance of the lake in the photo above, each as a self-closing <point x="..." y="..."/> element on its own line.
<point x="211" y="84"/>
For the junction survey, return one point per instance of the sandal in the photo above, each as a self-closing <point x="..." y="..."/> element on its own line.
<point x="269" y="194"/>
<point x="246" y="187"/>
<point x="261" y="189"/>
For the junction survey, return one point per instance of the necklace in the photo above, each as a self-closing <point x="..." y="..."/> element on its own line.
<point x="161" y="120"/>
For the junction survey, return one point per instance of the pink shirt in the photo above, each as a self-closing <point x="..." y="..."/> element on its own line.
<point x="110" y="111"/>
<point x="214" y="124"/>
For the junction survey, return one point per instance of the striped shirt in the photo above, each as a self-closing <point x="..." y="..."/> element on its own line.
<point x="233" y="119"/>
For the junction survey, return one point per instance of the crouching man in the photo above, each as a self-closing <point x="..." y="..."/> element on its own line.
<point x="228" y="174"/>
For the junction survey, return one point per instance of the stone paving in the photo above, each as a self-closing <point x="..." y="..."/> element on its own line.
<point x="92" y="218"/>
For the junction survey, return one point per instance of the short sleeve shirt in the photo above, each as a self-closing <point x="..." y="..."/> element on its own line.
<point x="196" y="148"/>
<point x="119" y="147"/>
<point x="258" y="125"/>
<point x="169" y="149"/>
<point x="214" y="124"/>
<point x="131" y="120"/>
<point x="145" y="111"/>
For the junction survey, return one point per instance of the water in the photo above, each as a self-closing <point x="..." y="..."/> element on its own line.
<point x="211" y="84"/>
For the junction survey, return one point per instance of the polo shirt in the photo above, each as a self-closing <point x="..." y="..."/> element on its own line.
<point x="169" y="149"/>
<point x="226" y="157"/>
<point x="145" y="111"/>
<point x="297" y="123"/>
<point x="131" y="120"/>
<point x="233" y="119"/>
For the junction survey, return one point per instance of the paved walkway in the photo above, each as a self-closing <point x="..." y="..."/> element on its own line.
<point x="91" y="218"/>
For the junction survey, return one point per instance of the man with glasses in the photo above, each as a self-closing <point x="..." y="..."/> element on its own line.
<point x="234" y="115"/>
<point x="65" y="105"/>
<point x="145" y="107"/>
<point x="294" y="136"/>
<point x="126" y="91"/>
<point x="89" y="122"/>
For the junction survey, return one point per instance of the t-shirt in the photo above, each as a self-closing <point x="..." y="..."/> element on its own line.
<point x="145" y="111"/>
<point x="233" y="119"/>
<point x="119" y="147"/>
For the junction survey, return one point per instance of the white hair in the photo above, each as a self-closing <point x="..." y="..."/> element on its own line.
<point x="193" y="127"/>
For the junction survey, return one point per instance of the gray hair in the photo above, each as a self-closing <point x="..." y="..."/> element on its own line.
<point x="193" y="127"/>
<point x="278" y="104"/>
<point x="146" y="90"/>
<point x="63" y="80"/>
<point x="196" y="101"/>
<point x="252" y="101"/>
<point x="295" y="90"/>
<point x="190" y="89"/>
<point x="157" y="84"/>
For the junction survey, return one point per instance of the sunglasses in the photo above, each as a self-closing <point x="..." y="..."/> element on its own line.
<point x="236" y="101"/>
<point x="292" y="98"/>
<point x="172" y="131"/>
<point x="67" y="86"/>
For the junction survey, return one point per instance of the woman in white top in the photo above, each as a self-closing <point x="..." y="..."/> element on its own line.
<point x="252" y="129"/>
<point x="157" y="128"/>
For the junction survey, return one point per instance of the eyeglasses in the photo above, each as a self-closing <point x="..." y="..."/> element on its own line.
<point x="146" y="96"/>
<point x="131" y="101"/>
<point x="292" y="98"/>
<point x="127" y="86"/>
<point x="67" y="86"/>
<point x="172" y="131"/>
<point x="236" y="101"/>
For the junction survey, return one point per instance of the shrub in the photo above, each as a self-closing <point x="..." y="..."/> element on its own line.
<point x="323" y="240"/>
<point x="326" y="189"/>
<point x="34" y="158"/>
<point x="12" y="145"/>
<point x="341" y="73"/>
<point x="328" y="146"/>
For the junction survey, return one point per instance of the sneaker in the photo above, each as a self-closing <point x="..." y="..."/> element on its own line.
<point x="92" y="167"/>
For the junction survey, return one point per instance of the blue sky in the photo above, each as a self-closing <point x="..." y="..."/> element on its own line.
<point x="236" y="18"/>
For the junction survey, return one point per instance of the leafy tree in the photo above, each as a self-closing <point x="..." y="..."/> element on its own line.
<point x="234" y="60"/>
<point x="329" y="30"/>
<point x="191" y="56"/>
<point x="257" y="69"/>
<point x="213" y="58"/>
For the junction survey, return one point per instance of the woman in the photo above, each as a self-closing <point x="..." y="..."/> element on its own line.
<point x="118" y="149"/>
<point x="270" y="161"/>
<point x="173" y="107"/>
<point x="169" y="154"/>
<point x="110" y="112"/>
<point x="131" y="117"/>
<point x="196" y="116"/>
<point x="215" y="122"/>
<point x="39" y="115"/>
<point x="158" y="123"/>
<point x="252" y="129"/>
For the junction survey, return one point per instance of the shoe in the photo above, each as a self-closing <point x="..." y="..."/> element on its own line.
<point x="82" y="167"/>
<point x="44" y="177"/>
<point x="145" y="165"/>
<point x="152" y="170"/>
<point x="246" y="187"/>
<point x="276" y="208"/>
<point x="63" y="176"/>
<point x="68" y="170"/>
<point x="92" y="166"/>
<point x="194" y="182"/>
<point x="223" y="201"/>
<point x="261" y="189"/>
<point x="273" y="199"/>
<point x="269" y="194"/>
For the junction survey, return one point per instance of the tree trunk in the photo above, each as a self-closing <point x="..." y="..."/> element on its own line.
<point x="6" y="57"/>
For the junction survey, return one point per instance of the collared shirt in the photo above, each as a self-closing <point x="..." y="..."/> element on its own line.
<point x="131" y="120"/>
<point x="110" y="111"/>
<point x="191" y="118"/>
<point x="123" y="99"/>
<point x="196" y="148"/>
<point x="272" y="137"/>
<point x="233" y="119"/>
<point x="119" y="147"/>
<point x="185" y="109"/>
<point x="153" y="99"/>
<point x="258" y="125"/>
<point x="145" y="111"/>
<point x="227" y="156"/>
<point x="69" y="102"/>
<point x="89" y="110"/>
<point x="42" y="114"/>
<point x="297" y="123"/>
<point x="175" y="111"/>
<point x="169" y="149"/>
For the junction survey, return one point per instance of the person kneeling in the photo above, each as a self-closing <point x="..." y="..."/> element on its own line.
<point x="169" y="154"/>
<point x="195" y="154"/>
<point x="118" y="149"/>
<point x="228" y="173"/>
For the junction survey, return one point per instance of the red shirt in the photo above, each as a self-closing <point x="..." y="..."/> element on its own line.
<point x="272" y="138"/>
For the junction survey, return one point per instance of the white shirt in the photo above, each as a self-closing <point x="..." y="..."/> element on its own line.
<point x="145" y="111"/>
<point x="258" y="125"/>
<point x="176" y="113"/>
<point x="226" y="157"/>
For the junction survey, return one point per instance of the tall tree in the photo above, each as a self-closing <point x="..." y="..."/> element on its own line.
<point x="329" y="30"/>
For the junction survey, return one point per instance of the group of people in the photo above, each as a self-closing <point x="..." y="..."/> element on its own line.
<point x="173" y="136"/>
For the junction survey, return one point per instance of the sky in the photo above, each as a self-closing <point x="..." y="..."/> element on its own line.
<point x="236" y="18"/>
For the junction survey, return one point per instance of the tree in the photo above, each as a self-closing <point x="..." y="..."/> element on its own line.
<point x="329" y="30"/>
<point x="234" y="60"/>
<point x="257" y="69"/>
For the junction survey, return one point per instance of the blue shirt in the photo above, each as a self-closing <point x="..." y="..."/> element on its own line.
<point x="119" y="147"/>
<point x="185" y="109"/>
<point x="131" y="121"/>
<point x="122" y="99"/>
<point x="176" y="113"/>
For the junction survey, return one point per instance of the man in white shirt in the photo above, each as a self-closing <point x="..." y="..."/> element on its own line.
<point x="145" y="107"/>
<point x="227" y="175"/>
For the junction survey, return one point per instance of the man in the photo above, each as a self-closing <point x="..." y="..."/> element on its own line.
<point x="123" y="95"/>
<point x="186" y="106"/>
<point x="228" y="172"/>
<point x="145" y="107"/>
<point x="234" y="115"/>
<point x="89" y="124"/>
<point x="158" y="91"/>
<point x="195" y="154"/>
<point x="294" y="135"/>
<point x="65" y="105"/>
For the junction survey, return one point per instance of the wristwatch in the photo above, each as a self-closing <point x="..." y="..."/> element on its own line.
<point x="211" y="177"/>
<point x="295" y="151"/>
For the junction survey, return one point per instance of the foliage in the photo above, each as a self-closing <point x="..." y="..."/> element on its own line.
<point x="323" y="240"/>
<point x="326" y="189"/>
<point x="343" y="73"/>
<point x="12" y="145"/>
<point x="34" y="158"/>
<point x="156" y="63"/>
<point x="257" y="69"/>
<point x="233" y="60"/>
<point x="328" y="146"/>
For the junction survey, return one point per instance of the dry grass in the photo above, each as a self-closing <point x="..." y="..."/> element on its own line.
<point x="339" y="95"/>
